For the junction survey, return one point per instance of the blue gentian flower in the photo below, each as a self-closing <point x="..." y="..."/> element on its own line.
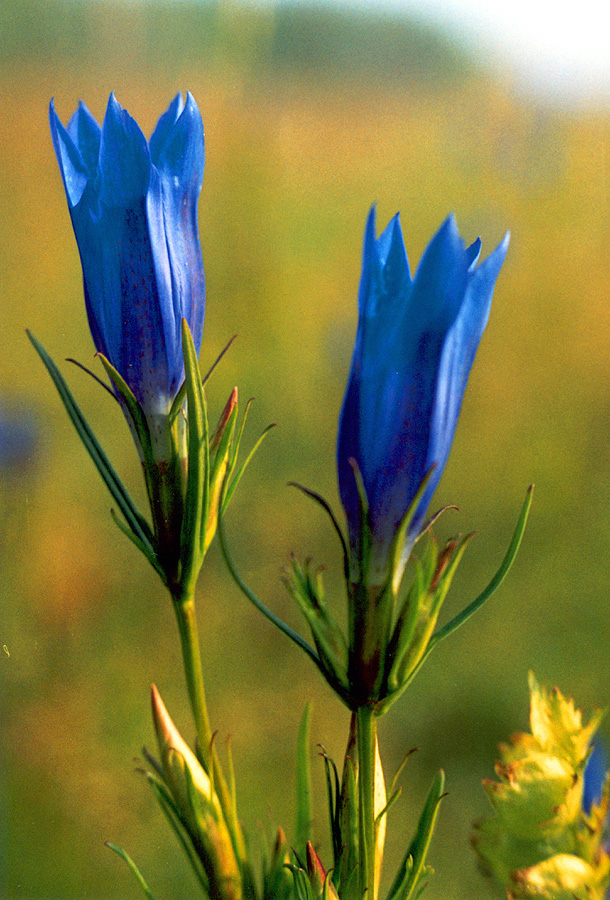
<point x="133" y="205"/>
<point x="415" y="345"/>
<point x="594" y="777"/>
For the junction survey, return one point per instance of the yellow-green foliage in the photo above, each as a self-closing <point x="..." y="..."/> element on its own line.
<point x="295" y="157"/>
<point x="540" y="842"/>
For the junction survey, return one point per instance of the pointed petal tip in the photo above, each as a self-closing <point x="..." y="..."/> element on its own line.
<point x="450" y="228"/>
<point x="113" y="104"/>
<point x="499" y="254"/>
<point x="370" y="232"/>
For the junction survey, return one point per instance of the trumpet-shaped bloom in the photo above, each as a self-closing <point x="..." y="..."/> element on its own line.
<point x="133" y="205"/>
<point x="415" y="345"/>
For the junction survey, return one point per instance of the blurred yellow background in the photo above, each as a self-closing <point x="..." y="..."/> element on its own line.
<point x="310" y="117"/>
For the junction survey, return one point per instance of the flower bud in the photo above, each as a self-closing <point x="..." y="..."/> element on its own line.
<point x="197" y="806"/>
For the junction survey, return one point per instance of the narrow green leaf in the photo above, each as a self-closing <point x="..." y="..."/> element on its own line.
<point x="298" y="640"/>
<point x="327" y="509"/>
<point x="217" y="360"/>
<point x="304" y="814"/>
<point x="234" y="481"/>
<point x="151" y="557"/>
<point x="392" y="798"/>
<point x="134" y="869"/>
<point x="302" y="886"/>
<point x="95" y="377"/>
<point x="493" y="585"/>
<point x="136" y="522"/>
<point x="412" y="868"/>
<point x="171" y="813"/>
<point x="406" y="757"/>
<point x="333" y="791"/>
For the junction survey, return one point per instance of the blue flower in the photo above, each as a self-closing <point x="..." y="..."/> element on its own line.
<point x="416" y="342"/>
<point x="594" y="777"/>
<point x="133" y="205"/>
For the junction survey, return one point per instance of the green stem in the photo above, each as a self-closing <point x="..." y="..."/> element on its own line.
<point x="366" y="737"/>
<point x="191" y="657"/>
<point x="189" y="640"/>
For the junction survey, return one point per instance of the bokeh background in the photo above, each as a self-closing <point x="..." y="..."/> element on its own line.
<point x="311" y="115"/>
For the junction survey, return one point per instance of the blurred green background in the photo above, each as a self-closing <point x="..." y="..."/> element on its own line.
<point x="311" y="116"/>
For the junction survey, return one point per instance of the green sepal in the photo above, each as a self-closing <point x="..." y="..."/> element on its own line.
<point x="135" y="521"/>
<point x="233" y="477"/>
<point x="304" y="812"/>
<point x="132" y="866"/>
<point x="327" y="634"/>
<point x="192" y="535"/>
<point x="398" y="544"/>
<point x="136" y="413"/>
<point x="365" y="538"/>
<point x="413" y="871"/>
<point x="420" y="611"/>
<point x="221" y="446"/>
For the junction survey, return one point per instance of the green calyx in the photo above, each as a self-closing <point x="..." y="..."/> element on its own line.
<point x="540" y="842"/>
<point x="190" y="474"/>
<point x="392" y="628"/>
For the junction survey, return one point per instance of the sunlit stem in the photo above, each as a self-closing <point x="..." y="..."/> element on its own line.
<point x="366" y="738"/>
<point x="184" y="607"/>
<point x="189" y="642"/>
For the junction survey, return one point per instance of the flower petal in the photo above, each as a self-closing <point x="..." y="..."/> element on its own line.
<point x="73" y="169"/>
<point x="415" y="345"/>
<point x="122" y="139"/>
<point x="86" y="134"/>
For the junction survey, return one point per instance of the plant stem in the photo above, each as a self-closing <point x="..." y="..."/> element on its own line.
<point x="366" y="737"/>
<point x="184" y="607"/>
<point x="191" y="657"/>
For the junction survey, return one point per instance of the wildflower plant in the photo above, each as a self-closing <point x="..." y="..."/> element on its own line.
<point x="133" y="205"/>
<point x="416" y="341"/>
